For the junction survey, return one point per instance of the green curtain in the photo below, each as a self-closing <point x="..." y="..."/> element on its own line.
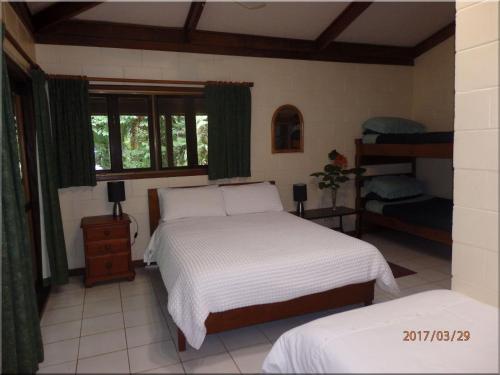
<point x="22" y="347"/>
<point x="72" y="132"/>
<point x="53" y="229"/>
<point x="229" y="119"/>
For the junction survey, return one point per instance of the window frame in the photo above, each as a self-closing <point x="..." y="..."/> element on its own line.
<point x="112" y="93"/>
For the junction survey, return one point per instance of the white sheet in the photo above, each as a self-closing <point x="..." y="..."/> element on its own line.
<point x="221" y="263"/>
<point x="370" y="339"/>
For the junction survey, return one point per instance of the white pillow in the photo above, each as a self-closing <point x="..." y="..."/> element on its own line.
<point x="251" y="198"/>
<point x="178" y="203"/>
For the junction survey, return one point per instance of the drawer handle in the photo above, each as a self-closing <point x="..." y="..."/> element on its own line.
<point x="108" y="265"/>
<point x="106" y="233"/>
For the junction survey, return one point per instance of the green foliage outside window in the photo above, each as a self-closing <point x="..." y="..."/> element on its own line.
<point x="100" y="129"/>
<point x="135" y="141"/>
<point x="179" y="140"/>
<point x="202" y="138"/>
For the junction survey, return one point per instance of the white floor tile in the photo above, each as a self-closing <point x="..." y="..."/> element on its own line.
<point x="102" y="323"/>
<point x="420" y="288"/>
<point x="148" y="334"/>
<point x="136" y="288"/>
<point x="63" y="368"/>
<point x="410" y="281"/>
<point x="74" y="283"/>
<point x="56" y="316"/>
<point x="66" y="299"/>
<point x="249" y="360"/>
<point x="102" y="343"/>
<point x="446" y="284"/>
<point x="102" y="294"/>
<point x="172" y="369"/>
<point x="106" y="285"/>
<point x="60" y="352"/>
<point x="152" y="356"/>
<point x="61" y="331"/>
<point x="212" y="345"/>
<point x="218" y="364"/>
<point x="431" y="275"/>
<point x="139" y="302"/>
<point x="273" y="330"/>
<point x="240" y="338"/>
<point x="92" y="309"/>
<point x="142" y="317"/>
<point x="115" y="363"/>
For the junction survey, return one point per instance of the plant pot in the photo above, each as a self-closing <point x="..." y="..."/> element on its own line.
<point x="334" y="199"/>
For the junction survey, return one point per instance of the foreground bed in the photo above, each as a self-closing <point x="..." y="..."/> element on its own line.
<point x="226" y="272"/>
<point x="391" y="337"/>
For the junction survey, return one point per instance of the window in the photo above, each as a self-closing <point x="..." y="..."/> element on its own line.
<point x="149" y="135"/>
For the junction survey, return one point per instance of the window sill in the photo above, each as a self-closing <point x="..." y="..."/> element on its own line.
<point x="110" y="176"/>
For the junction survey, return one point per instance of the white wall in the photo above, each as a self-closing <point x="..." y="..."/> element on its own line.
<point x="433" y="104"/>
<point x="335" y="98"/>
<point x="475" y="226"/>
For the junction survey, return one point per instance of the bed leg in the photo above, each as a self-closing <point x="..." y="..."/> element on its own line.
<point x="181" y="340"/>
<point x="368" y="303"/>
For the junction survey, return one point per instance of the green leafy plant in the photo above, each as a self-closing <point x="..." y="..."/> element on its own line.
<point x="336" y="172"/>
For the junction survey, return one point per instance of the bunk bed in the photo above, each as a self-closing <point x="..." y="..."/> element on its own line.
<point x="428" y="219"/>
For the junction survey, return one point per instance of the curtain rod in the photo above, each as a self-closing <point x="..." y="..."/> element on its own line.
<point x="155" y="81"/>
<point x="19" y="49"/>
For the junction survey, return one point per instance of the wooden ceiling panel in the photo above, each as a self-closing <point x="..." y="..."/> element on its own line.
<point x="296" y="20"/>
<point x="402" y="24"/>
<point x="164" y="14"/>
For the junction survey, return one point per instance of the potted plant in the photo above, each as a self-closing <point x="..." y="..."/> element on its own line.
<point x="335" y="173"/>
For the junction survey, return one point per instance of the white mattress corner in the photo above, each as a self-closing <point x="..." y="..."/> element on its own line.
<point x="375" y="334"/>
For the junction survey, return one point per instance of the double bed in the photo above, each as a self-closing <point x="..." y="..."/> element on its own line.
<point x="226" y="272"/>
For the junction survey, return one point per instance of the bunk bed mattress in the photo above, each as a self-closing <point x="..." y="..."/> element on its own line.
<point x="425" y="211"/>
<point x="420" y="138"/>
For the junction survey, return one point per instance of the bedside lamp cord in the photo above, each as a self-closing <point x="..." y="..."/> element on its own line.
<point x="136" y="229"/>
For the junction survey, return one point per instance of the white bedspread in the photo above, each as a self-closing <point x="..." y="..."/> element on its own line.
<point x="370" y="339"/>
<point x="221" y="263"/>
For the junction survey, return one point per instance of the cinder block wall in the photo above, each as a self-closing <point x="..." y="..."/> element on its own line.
<point x="475" y="226"/>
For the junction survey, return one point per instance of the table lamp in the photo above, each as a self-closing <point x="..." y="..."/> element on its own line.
<point x="116" y="194"/>
<point x="300" y="196"/>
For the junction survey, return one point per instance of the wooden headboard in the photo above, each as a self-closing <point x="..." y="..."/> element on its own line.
<point x="154" y="203"/>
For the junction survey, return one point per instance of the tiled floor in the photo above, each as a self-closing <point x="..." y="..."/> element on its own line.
<point x="125" y="327"/>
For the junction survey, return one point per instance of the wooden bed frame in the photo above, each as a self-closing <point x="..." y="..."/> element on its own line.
<point x="255" y="314"/>
<point x="370" y="154"/>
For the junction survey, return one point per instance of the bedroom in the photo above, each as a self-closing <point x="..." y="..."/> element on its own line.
<point x="335" y="95"/>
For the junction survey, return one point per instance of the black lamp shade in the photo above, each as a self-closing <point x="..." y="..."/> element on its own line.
<point x="299" y="192"/>
<point x="116" y="191"/>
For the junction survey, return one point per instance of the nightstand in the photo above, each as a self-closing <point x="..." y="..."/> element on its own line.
<point x="108" y="254"/>
<point x="340" y="212"/>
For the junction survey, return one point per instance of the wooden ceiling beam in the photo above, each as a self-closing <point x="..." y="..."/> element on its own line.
<point x="341" y="23"/>
<point x="24" y="14"/>
<point x="439" y="36"/>
<point x="117" y="35"/>
<point x="59" y="12"/>
<point x="193" y="17"/>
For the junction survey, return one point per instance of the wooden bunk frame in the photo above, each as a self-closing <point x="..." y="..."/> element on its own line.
<point x="372" y="154"/>
<point x="255" y="314"/>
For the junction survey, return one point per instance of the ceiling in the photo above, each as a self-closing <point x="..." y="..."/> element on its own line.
<point x="378" y="24"/>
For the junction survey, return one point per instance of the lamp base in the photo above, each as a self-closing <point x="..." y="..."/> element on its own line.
<point x="300" y="209"/>
<point x="117" y="210"/>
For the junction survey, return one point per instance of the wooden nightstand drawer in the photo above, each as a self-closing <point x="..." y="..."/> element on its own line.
<point x="108" y="265"/>
<point x="107" y="233"/>
<point x="96" y="248"/>
<point x="107" y="248"/>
